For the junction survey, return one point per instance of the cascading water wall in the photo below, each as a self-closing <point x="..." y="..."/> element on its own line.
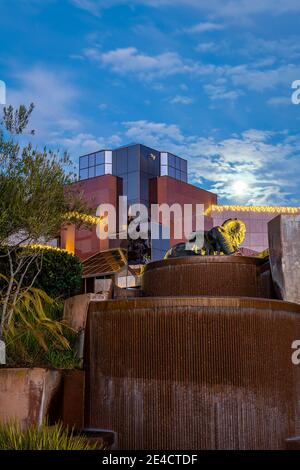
<point x="203" y="361"/>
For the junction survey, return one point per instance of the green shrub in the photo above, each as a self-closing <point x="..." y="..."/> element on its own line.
<point x="60" y="275"/>
<point x="24" y="350"/>
<point x="36" y="336"/>
<point x="41" y="438"/>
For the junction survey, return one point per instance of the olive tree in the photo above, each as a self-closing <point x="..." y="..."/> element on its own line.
<point x="33" y="205"/>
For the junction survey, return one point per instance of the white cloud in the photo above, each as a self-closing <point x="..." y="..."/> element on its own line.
<point x="281" y="48"/>
<point x="152" y="133"/>
<point x="85" y="142"/>
<point x="258" y="75"/>
<point x="54" y="119"/>
<point x="53" y="94"/>
<point x="180" y="99"/>
<point x="265" y="160"/>
<point x="206" y="47"/>
<point x="130" y="60"/>
<point x="125" y="60"/>
<point x="222" y="47"/>
<point x="204" y="27"/>
<point x="279" y="101"/>
<point x="92" y="6"/>
<point x="230" y="9"/>
<point x="218" y="92"/>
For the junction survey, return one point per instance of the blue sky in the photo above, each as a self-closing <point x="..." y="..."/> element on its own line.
<point x="207" y="80"/>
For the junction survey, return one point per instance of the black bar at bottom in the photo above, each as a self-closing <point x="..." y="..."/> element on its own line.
<point x="133" y="459"/>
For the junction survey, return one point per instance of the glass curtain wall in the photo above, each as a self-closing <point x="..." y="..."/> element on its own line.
<point x="95" y="164"/>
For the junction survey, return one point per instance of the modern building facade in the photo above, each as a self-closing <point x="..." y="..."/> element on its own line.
<point x="149" y="176"/>
<point x="136" y="165"/>
<point x="143" y="174"/>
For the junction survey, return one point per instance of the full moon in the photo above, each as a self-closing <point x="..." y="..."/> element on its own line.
<point x="240" y="187"/>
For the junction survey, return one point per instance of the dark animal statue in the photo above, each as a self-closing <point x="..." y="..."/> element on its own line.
<point x="224" y="239"/>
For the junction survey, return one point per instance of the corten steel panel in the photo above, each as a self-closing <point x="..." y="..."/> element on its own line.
<point x="167" y="190"/>
<point x="194" y="373"/>
<point x="99" y="190"/>
<point x="205" y="275"/>
<point x="73" y="399"/>
<point x="284" y="243"/>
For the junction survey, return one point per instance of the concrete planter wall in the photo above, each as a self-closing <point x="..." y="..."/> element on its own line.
<point x="26" y="394"/>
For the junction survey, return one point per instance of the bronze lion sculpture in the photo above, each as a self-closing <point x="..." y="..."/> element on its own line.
<point x="224" y="239"/>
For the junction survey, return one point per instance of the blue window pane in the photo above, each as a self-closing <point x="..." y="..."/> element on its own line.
<point x="171" y="160"/>
<point x="172" y="172"/>
<point x="121" y="160"/>
<point x="99" y="158"/>
<point x="177" y="174"/>
<point x="133" y="158"/>
<point x="84" y="162"/>
<point x="150" y="161"/>
<point x="99" y="170"/>
<point x="183" y="176"/>
<point x="144" y="186"/>
<point x="124" y="178"/>
<point x="83" y="174"/>
<point x="91" y="172"/>
<point x="177" y="163"/>
<point x="183" y="165"/>
<point x="92" y="160"/>
<point x="133" y="185"/>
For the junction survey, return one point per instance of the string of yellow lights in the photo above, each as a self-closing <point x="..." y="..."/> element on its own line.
<point x="270" y="209"/>
<point x="90" y="219"/>
<point x="41" y="246"/>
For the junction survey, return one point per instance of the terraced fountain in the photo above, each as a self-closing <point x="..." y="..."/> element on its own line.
<point x="202" y="361"/>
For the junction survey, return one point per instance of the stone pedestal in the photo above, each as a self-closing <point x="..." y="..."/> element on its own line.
<point x="284" y="245"/>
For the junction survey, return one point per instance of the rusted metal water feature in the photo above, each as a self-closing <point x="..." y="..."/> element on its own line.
<point x="204" y="363"/>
